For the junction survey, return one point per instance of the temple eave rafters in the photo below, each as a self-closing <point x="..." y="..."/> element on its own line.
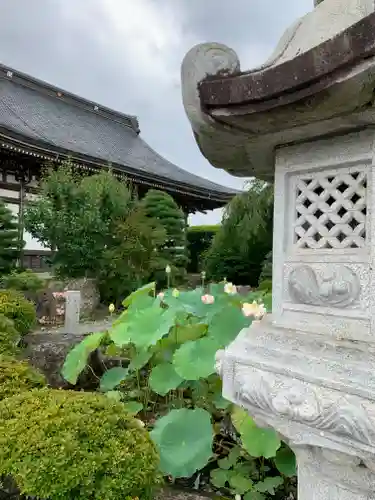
<point x="191" y="199"/>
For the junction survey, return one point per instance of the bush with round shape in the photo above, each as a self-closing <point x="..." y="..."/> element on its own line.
<point x="75" y="446"/>
<point x="17" y="376"/>
<point x="14" y="306"/>
<point x="9" y="336"/>
<point x="24" y="281"/>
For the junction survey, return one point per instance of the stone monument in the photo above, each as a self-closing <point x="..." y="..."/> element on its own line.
<point x="306" y="121"/>
<point x="72" y="311"/>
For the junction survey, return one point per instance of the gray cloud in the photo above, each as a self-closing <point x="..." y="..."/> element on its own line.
<point x="126" y="54"/>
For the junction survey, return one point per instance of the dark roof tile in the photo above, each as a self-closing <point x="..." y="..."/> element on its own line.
<point x="71" y="123"/>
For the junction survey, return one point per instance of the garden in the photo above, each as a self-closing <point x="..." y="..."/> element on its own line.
<point x="153" y="416"/>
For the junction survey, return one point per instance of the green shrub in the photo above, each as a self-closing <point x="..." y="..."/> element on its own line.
<point x="75" y="446"/>
<point x="8" y="336"/>
<point x="244" y="238"/>
<point x="199" y="239"/>
<point x="14" y="306"/>
<point x="265" y="285"/>
<point x="25" y="281"/>
<point x="17" y="376"/>
<point x="266" y="273"/>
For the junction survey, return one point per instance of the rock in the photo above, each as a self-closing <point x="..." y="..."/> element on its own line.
<point x="47" y="352"/>
<point x="90" y="297"/>
<point x="244" y="290"/>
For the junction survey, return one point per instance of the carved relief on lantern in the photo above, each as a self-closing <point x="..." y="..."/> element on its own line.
<point x="323" y="256"/>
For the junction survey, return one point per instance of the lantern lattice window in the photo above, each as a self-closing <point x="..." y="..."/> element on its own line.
<point x="331" y="211"/>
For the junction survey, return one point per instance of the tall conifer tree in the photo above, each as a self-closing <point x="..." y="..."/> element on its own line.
<point x="9" y="235"/>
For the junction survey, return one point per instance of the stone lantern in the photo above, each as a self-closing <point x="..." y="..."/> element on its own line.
<point x="305" y="120"/>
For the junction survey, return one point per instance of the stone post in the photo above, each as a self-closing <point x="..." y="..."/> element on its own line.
<point x="307" y="370"/>
<point x="305" y="119"/>
<point x="72" y="311"/>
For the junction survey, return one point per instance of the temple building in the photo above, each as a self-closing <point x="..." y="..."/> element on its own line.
<point x="40" y="123"/>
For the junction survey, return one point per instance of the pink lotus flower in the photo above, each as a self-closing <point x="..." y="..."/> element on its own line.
<point x="208" y="299"/>
<point x="160" y="295"/>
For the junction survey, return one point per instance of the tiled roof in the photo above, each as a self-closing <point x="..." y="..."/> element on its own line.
<point x="40" y="112"/>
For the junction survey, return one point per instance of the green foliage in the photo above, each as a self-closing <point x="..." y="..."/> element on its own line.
<point x="266" y="273"/>
<point x="257" y="442"/>
<point x="24" y="281"/>
<point x="164" y="211"/>
<point x="9" y="239"/>
<point x="9" y="336"/>
<point x="244" y="238"/>
<point x="112" y="378"/>
<point x="96" y="228"/>
<point x="286" y="461"/>
<point x="238" y="475"/>
<point x="164" y="378"/>
<point x="75" y="446"/>
<point x="170" y="342"/>
<point x="21" y="311"/>
<point x="17" y="376"/>
<point x="131" y="257"/>
<point x="239" y="472"/>
<point x="184" y="439"/>
<point x="265" y="286"/>
<point x="77" y="216"/>
<point x="199" y="240"/>
<point x="76" y="360"/>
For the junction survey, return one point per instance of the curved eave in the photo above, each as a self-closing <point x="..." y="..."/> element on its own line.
<point x="241" y="119"/>
<point x="295" y="79"/>
<point x="20" y="144"/>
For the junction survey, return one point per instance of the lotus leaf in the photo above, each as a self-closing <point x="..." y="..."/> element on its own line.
<point x="184" y="440"/>
<point x="76" y="360"/>
<point x="164" y="378"/>
<point x="226" y="324"/>
<point x="112" y="378"/>
<point x="196" y="359"/>
<point x="286" y="461"/>
<point x="260" y="442"/>
<point x="133" y="407"/>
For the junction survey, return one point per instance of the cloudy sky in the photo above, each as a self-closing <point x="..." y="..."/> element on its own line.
<point x="126" y="54"/>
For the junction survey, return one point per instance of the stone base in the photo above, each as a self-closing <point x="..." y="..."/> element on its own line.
<point x="319" y="394"/>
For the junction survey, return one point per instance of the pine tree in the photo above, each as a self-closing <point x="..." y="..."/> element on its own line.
<point x="9" y="244"/>
<point x="162" y="208"/>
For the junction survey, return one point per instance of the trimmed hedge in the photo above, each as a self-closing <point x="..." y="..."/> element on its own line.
<point x="199" y="240"/>
<point x="14" y="306"/>
<point x="9" y="336"/>
<point x="75" y="446"/>
<point x="24" y="281"/>
<point x="17" y="376"/>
